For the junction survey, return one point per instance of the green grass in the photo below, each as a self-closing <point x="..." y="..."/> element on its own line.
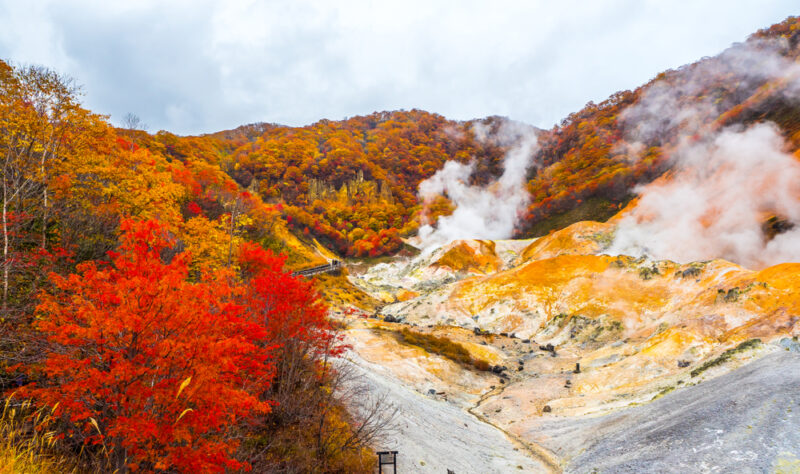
<point x="726" y="356"/>
<point x="664" y="391"/>
<point x="606" y="333"/>
<point x="646" y="273"/>
<point x="591" y="209"/>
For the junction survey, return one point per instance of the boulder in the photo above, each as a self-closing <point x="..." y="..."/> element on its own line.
<point x="791" y="345"/>
<point x="691" y="272"/>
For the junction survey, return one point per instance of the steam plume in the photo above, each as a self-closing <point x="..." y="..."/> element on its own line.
<point x="715" y="205"/>
<point x="726" y="182"/>
<point x="488" y="212"/>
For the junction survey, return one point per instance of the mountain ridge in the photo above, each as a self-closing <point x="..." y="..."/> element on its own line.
<point x="584" y="167"/>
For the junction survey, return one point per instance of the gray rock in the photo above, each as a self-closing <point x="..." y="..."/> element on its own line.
<point x="791" y="345"/>
<point x="691" y="272"/>
<point x="744" y="421"/>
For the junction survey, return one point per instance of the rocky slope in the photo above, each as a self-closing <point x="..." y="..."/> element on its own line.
<point x="743" y="421"/>
<point x="434" y="436"/>
<point x="639" y="330"/>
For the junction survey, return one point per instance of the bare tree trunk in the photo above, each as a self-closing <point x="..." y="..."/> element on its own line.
<point x="44" y="200"/>
<point x="5" y="243"/>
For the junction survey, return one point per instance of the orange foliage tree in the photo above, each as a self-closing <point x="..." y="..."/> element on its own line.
<point x="309" y="429"/>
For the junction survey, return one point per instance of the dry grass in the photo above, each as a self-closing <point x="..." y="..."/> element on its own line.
<point x="337" y="291"/>
<point x="443" y="346"/>
<point x="27" y="440"/>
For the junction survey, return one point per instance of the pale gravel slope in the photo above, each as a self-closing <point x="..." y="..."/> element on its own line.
<point x="441" y="435"/>
<point x="746" y="421"/>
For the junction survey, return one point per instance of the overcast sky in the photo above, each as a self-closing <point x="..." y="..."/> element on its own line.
<point x="201" y="66"/>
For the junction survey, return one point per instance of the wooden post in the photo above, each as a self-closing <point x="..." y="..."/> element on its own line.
<point x="387" y="458"/>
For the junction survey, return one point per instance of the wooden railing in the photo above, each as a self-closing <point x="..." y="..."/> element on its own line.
<point x="330" y="267"/>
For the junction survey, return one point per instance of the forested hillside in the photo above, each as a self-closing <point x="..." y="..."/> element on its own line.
<point x="143" y="325"/>
<point x="353" y="183"/>
<point x="589" y="155"/>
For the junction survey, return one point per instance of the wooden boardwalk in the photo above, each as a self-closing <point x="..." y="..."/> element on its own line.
<point x="330" y="267"/>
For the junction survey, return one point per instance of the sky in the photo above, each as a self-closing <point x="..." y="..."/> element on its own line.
<point x="201" y="66"/>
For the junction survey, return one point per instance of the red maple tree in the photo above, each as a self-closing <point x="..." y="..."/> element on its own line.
<point x="151" y="366"/>
<point x="288" y="307"/>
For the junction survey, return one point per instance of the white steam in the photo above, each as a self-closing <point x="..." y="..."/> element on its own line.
<point x="689" y="100"/>
<point x="725" y="182"/>
<point x="489" y="212"/>
<point x="715" y="204"/>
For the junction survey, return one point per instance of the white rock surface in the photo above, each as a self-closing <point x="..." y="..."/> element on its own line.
<point x="434" y="436"/>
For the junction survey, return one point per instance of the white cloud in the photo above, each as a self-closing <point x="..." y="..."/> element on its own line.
<point x="225" y="63"/>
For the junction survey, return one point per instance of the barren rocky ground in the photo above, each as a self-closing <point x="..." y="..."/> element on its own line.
<point x="744" y="421"/>
<point x="684" y="367"/>
<point x="432" y="435"/>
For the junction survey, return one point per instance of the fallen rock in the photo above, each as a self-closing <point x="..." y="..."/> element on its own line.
<point x="548" y="348"/>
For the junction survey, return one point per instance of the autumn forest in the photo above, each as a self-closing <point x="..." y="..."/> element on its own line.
<point x="150" y="319"/>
